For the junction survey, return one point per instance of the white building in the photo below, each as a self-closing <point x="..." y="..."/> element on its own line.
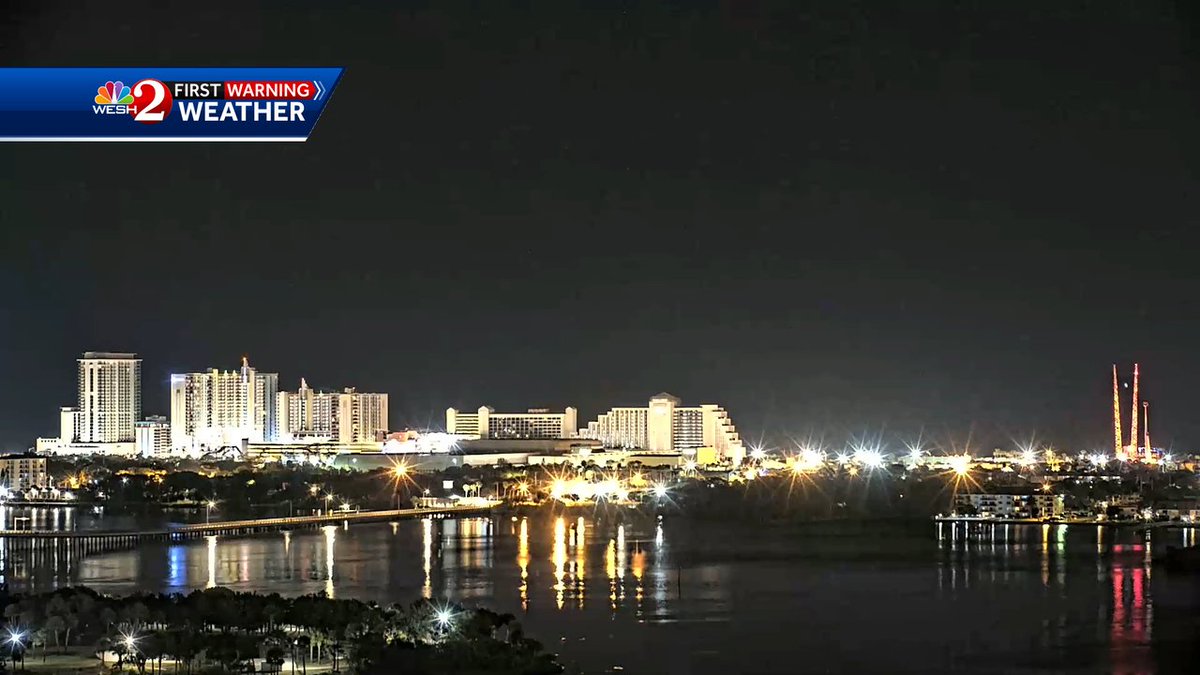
<point x="109" y="401"/>
<point x="362" y="417"/>
<point x="69" y="422"/>
<point x="19" y="473"/>
<point x="153" y="436"/>
<point x="348" y="417"/>
<point x="998" y="505"/>
<point x="533" y="424"/>
<point x="110" y="397"/>
<point x="217" y="409"/>
<point x="665" y="425"/>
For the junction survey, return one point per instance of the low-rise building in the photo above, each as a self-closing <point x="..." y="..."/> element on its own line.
<point x="20" y="473"/>
<point x="534" y="424"/>
<point x="1186" y="510"/>
<point x="1009" y="505"/>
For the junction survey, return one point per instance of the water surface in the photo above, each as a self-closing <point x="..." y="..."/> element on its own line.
<point x="676" y="596"/>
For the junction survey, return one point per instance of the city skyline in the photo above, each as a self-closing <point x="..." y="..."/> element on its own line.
<point x="955" y="224"/>
<point x="273" y="418"/>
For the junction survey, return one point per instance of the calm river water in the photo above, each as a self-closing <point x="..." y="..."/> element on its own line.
<point x="678" y="596"/>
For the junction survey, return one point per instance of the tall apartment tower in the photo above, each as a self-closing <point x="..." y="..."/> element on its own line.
<point x="110" y="397"/>
<point x="349" y="417"/>
<point x="217" y="408"/>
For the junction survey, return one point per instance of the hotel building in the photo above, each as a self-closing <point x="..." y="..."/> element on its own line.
<point x="216" y="409"/>
<point x="153" y="436"/>
<point x="109" y="402"/>
<point x="348" y="417"/>
<point x="533" y="424"/>
<point x="20" y="473"/>
<point x="665" y="425"/>
<point x="110" y="397"/>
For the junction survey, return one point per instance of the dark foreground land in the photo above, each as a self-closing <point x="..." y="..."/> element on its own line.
<point x="217" y="630"/>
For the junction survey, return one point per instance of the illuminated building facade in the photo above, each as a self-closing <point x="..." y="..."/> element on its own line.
<point x="533" y="424"/>
<point x="1010" y="505"/>
<point x="68" y="424"/>
<point x="153" y="436"/>
<point x="665" y="425"/>
<point x="217" y="409"/>
<point x="110" y="397"/>
<point x="20" y="473"/>
<point x="347" y="417"/>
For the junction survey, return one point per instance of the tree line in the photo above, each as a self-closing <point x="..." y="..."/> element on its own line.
<point x="218" y="630"/>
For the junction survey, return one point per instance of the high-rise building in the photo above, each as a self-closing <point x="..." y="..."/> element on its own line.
<point x="217" y="409"/>
<point x="665" y="425"/>
<point x="347" y="417"/>
<point x="68" y="424"/>
<point x="266" y="390"/>
<point x="153" y="436"/>
<point x="533" y="424"/>
<point x="362" y="417"/>
<point x="110" y="397"/>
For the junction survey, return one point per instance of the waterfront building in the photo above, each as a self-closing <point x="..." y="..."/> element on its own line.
<point x="346" y="417"/>
<point x="999" y="505"/>
<point x="216" y="409"/>
<point x="109" y="402"/>
<point x="1185" y="510"/>
<point x="533" y="424"/>
<point x="153" y="436"/>
<point x="20" y="473"/>
<point x="110" y="397"/>
<point x="667" y="426"/>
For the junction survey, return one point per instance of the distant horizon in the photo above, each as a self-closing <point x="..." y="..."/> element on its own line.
<point x="850" y="219"/>
<point x="897" y="443"/>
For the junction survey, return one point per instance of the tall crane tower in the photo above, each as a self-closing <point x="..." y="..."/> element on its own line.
<point x="1116" y="415"/>
<point x="1133" y="418"/>
<point x="1146" y="425"/>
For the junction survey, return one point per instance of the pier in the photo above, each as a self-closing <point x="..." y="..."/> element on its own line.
<point x="86" y="542"/>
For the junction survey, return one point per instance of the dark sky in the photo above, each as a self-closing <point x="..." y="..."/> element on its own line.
<point x="856" y="218"/>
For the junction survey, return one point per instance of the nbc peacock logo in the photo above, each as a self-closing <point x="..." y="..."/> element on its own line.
<point x="113" y="98"/>
<point x="114" y="92"/>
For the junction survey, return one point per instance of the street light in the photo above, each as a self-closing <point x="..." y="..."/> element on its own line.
<point x="208" y="507"/>
<point x="16" y="642"/>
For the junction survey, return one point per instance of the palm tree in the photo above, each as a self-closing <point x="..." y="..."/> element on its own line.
<point x="108" y="616"/>
<point x="56" y="625"/>
<point x="12" y="614"/>
<point x="102" y="646"/>
<point x="38" y="639"/>
<point x="303" y="645"/>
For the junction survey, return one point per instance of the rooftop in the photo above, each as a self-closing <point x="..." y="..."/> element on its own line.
<point x="119" y="356"/>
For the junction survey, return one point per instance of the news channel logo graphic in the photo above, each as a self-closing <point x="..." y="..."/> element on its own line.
<point x="163" y="104"/>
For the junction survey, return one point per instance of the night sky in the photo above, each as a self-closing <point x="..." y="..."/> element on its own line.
<point x="854" y="219"/>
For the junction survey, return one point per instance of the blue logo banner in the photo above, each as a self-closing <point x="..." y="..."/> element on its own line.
<point x="163" y="104"/>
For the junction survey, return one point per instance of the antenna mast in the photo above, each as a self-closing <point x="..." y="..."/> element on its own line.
<point x="1146" y="424"/>
<point x="1116" y="415"/>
